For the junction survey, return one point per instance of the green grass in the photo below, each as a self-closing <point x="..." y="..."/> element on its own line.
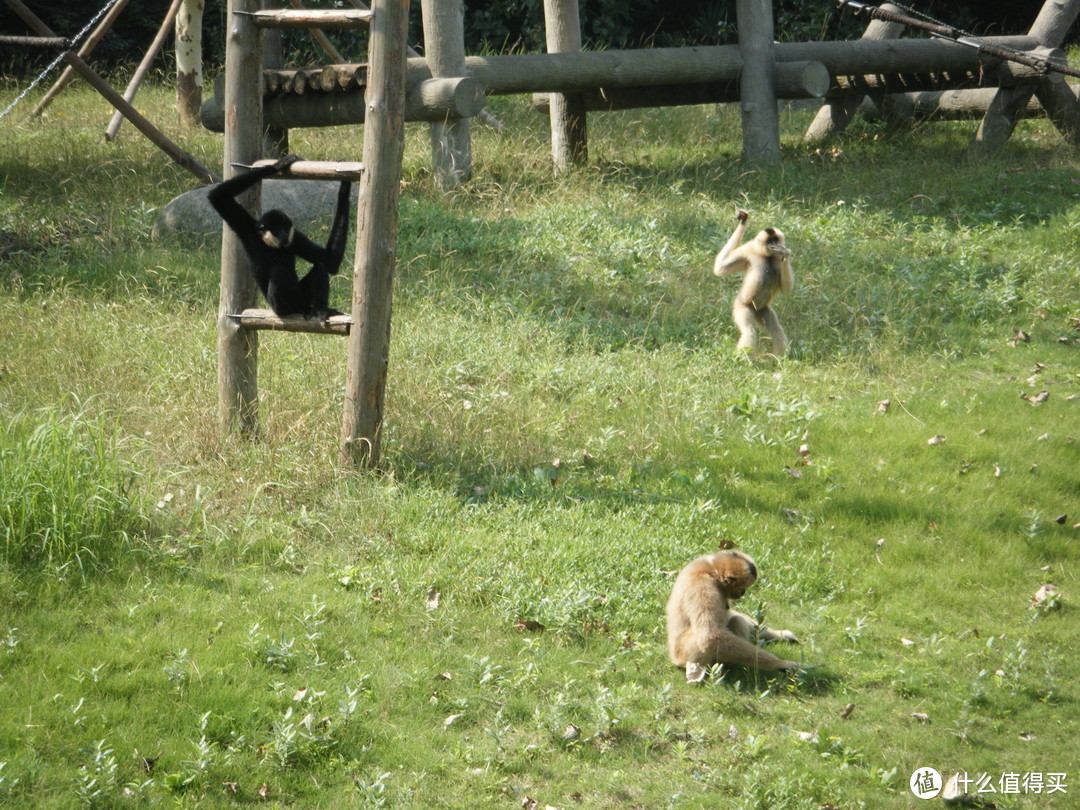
<point x="195" y="621"/>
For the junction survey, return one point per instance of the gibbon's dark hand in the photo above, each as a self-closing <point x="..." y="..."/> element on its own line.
<point x="742" y="215"/>
<point x="285" y="162"/>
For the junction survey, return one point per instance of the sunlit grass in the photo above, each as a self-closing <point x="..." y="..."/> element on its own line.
<point x="567" y="424"/>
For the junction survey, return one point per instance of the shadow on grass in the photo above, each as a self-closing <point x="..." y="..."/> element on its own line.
<point x="811" y="680"/>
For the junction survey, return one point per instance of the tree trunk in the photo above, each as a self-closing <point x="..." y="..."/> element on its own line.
<point x="189" y="76"/>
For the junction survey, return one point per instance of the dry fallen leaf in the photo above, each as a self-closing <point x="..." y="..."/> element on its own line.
<point x="1044" y="593"/>
<point x="884" y="405"/>
<point x="951" y="791"/>
<point x="793" y="472"/>
<point x="846" y="713"/>
<point x="921" y="717"/>
<point x="450" y="720"/>
<point x="907" y="642"/>
<point x="571" y="733"/>
<point x="1036" y="399"/>
<point x="695" y="673"/>
<point x="806" y="736"/>
<point x="1027" y="736"/>
<point x="433" y="597"/>
<point x="938" y="439"/>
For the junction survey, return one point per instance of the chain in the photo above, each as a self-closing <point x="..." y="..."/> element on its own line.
<point x="60" y="58"/>
<point x="1059" y="65"/>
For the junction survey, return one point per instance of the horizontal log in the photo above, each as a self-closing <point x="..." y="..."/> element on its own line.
<point x="325" y="78"/>
<point x="55" y="43"/>
<point x="431" y="100"/>
<point x="876" y="56"/>
<point x="266" y="319"/>
<point x="794" y="80"/>
<point x="315" y="169"/>
<point x="948" y="105"/>
<point x="645" y="67"/>
<point x="335" y="19"/>
<point x="1002" y="74"/>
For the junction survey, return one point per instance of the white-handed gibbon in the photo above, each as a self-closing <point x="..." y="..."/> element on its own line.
<point x="273" y="244"/>
<point x="703" y="629"/>
<point x="766" y="262"/>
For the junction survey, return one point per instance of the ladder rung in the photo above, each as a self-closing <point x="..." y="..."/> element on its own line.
<point x="335" y="18"/>
<point x="314" y="169"/>
<point x="266" y="319"/>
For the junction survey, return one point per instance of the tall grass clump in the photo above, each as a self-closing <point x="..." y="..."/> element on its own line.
<point x="66" y="495"/>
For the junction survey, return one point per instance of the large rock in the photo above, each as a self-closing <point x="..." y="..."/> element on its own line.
<point x="310" y="203"/>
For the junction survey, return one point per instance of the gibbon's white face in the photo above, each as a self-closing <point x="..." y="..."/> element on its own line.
<point x="276" y="229"/>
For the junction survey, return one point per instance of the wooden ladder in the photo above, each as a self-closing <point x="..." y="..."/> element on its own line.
<point x="379" y="179"/>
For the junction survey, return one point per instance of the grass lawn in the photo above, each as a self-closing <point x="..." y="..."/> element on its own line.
<point x="195" y="621"/>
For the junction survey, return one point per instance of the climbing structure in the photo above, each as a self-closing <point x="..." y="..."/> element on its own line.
<point x="379" y="176"/>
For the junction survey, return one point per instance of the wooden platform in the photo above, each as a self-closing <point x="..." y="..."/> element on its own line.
<point x="313" y="169"/>
<point x="266" y="319"/>
<point x="334" y="19"/>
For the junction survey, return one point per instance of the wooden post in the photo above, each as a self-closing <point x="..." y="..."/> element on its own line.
<point x="84" y="51"/>
<point x="444" y="48"/>
<point x="835" y="114"/>
<point x="376" y="236"/>
<point x="144" y="68"/>
<point x="238" y="348"/>
<point x="760" y="117"/>
<point x="569" y="126"/>
<point x="1050" y="27"/>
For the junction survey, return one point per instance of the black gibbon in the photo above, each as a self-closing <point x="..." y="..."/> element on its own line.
<point x="766" y="262"/>
<point x="702" y="628"/>
<point x="273" y="244"/>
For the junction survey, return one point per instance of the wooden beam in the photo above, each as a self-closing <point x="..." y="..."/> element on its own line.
<point x="314" y="169"/>
<point x="1049" y="29"/>
<point x="84" y="51"/>
<point x="267" y="320"/>
<point x="140" y="122"/>
<point x="335" y="19"/>
<point x="144" y="67"/>
<point x="836" y="114"/>
<point x="794" y="80"/>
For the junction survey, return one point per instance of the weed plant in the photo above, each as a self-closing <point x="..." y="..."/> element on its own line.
<point x="481" y="622"/>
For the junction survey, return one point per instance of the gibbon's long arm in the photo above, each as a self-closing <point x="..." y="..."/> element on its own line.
<point x="732" y="258"/>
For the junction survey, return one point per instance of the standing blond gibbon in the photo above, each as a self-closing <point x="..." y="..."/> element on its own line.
<point x="766" y="263"/>
<point x="702" y="629"/>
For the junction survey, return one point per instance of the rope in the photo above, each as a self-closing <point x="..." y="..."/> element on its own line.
<point x="71" y="44"/>
<point x="939" y="29"/>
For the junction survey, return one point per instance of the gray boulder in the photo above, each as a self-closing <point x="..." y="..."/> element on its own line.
<point x="310" y="203"/>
